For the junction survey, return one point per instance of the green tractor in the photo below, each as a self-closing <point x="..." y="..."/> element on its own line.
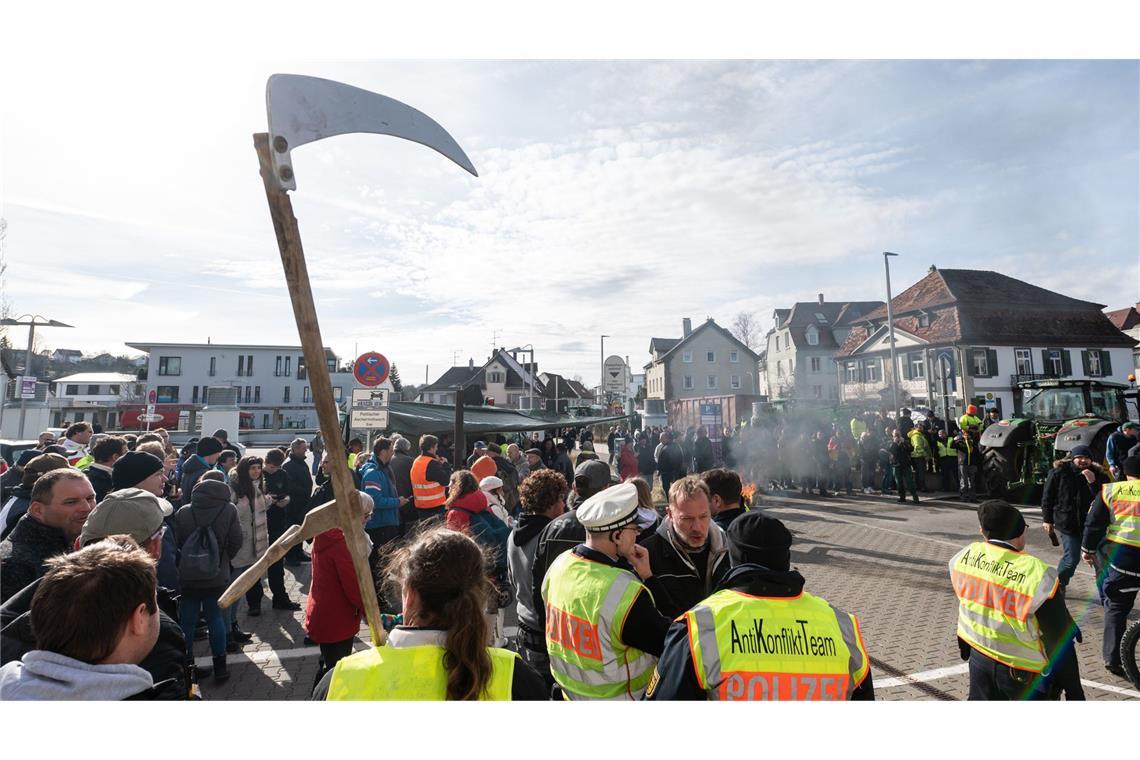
<point x="1056" y="416"/>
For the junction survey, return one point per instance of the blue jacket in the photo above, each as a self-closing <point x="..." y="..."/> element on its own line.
<point x="376" y="480"/>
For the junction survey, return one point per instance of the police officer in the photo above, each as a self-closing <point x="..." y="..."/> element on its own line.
<point x="603" y="632"/>
<point x="1115" y="515"/>
<point x="1012" y="623"/>
<point x="760" y="636"/>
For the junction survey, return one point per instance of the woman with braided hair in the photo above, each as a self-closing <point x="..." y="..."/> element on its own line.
<point x="440" y="651"/>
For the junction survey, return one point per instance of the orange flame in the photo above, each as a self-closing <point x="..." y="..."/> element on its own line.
<point x="748" y="491"/>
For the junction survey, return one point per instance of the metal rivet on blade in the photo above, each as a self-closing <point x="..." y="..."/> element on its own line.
<point x="280" y="144"/>
<point x="286" y="173"/>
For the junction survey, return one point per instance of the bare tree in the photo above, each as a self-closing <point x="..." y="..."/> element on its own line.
<point x="745" y="329"/>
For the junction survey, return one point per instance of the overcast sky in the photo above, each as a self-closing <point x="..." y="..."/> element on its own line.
<point x="613" y="197"/>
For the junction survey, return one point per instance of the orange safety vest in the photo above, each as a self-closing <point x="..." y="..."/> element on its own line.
<point x="427" y="493"/>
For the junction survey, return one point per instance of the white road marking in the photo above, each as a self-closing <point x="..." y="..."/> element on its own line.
<point x="954" y="670"/>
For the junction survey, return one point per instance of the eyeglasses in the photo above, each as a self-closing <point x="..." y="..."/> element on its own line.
<point x="157" y="534"/>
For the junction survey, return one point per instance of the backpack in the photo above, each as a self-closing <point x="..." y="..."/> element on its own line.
<point x="200" y="558"/>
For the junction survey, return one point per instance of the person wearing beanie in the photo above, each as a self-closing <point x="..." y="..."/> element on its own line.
<point x="206" y="454"/>
<point x="141" y="469"/>
<point x="1113" y="526"/>
<point x="757" y="616"/>
<point x="1070" y="488"/>
<point x="1013" y="626"/>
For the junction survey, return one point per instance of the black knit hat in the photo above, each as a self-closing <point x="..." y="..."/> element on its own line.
<point x="133" y="468"/>
<point x="1132" y="466"/>
<point x="208" y="446"/>
<point x="754" y="537"/>
<point x="1000" y="520"/>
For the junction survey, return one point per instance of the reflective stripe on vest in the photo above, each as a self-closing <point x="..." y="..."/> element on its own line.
<point x="410" y="674"/>
<point x="775" y="649"/>
<point x="1123" y="501"/>
<point x="999" y="592"/>
<point x="427" y="493"/>
<point x="586" y="605"/>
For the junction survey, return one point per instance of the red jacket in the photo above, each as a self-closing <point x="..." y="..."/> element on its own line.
<point x="334" y="609"/>
<point x="627" y="464"/>
<point x="457" y="519"/>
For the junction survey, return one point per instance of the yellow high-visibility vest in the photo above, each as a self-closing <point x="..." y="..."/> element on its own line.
<point x="410" y="674"/>
<point x="748" y="648"/>
<point x="999" y="592"/>
<point x="1123" y="502"/>
<point x="586" y="604"/>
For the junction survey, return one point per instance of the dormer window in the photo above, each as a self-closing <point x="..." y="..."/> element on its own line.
<point x="812" y="336"/>
<point x="820" y="318"/>
<point x="923" y="319"/>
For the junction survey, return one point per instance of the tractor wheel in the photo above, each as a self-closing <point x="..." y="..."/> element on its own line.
<point x="999" y="469"/>
<point x="1130" y="651"/>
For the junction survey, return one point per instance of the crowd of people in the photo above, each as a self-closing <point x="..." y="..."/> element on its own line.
<point x="615" y="596"/>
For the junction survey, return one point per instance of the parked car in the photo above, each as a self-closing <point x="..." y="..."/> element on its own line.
<point x="11" y="450"/>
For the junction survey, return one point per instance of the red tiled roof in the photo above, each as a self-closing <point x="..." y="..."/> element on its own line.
<point x="1125" y="319"/>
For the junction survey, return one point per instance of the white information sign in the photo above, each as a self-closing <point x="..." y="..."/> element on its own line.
<point x="614" y="375"/>
<point x="370" y="398"/>
<point x="370" y="419"/>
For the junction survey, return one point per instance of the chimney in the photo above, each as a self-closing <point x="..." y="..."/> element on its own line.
<point x="470" y="364"/>
<point x="686" y="327"/>
<point x="821" y="299"/>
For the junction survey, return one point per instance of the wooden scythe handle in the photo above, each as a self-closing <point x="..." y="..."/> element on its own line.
<point x="305" y="312"/>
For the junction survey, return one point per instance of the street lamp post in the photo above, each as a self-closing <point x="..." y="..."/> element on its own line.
<point x="530" y="371"/>
<point x="602" y="372"/>
<point x="31" y="325"/>
<point x="891" y="332"/>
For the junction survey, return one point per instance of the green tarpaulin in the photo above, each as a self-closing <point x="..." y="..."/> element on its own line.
<point x="412" y="419"/>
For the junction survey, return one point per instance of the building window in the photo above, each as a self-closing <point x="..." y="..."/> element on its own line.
<point x="515" y="400"/>
<point x="92" y="390"/>
<point x="167" y="394"/>
<point x="871" y="371"/>
<point x="851" y="372"/>
<point x="981" y="363"/>
<point x="257" y="394"/>
<point x="277" y="367"/>
<point x="779" y="368"/>
<point x="813" y="338"/>
<point x="710" y="382"/>
<point x="249" y="365"/>
<point x="1024" y="359"/>
<point x="241" y="365"/>
<point x="734" y="357"/>
<point x="288" y="365"/>
<point x="307" y="395"/>
<point x="815" y="364"/>
<point x="1056" y="364"/>
<point x="687" y="357"/>
<point x="113" y="390"/>
<point x="265" y="421"/>
<point x="1094" y="363"/>
<point x="213" y="366"/>
<point x="248" y="393"/>
<point x="917" y="366"/>
<point x="710" y="356"/>
<point x="285" y="396"/>
<point x="734" y="382"/>
<point x="302" y="372"/>
<point x="924" y="320"/>
<point x="72" y="390"/>
<point x="496" y="377"/>
<point x="170" y="365"/>
<point x="194" y="394"/>
<point x="687" y="382"/>
<point x="205" y="394"/>
<point x="777" y="342"/>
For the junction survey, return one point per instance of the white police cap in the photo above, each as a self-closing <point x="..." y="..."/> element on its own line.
<point x="609" y="509"/>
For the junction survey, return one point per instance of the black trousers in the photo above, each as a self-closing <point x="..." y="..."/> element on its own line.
<point x="331" y="654"/>
<point x="276" y="522"/>
<point x="380" y="538"/>
<point x="991" y="681"/>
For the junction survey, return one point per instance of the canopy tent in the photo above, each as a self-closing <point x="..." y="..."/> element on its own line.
<point x="411" y="418"/>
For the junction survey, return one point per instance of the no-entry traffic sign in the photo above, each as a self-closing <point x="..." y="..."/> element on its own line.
<point x="370" y="369"/>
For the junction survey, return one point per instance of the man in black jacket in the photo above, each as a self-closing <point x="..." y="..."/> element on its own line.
<point x="725" y="494"/>
<point x="688" y="552"/>
<point x="60" y="503"/>
<point x="1070" y="488"/>
<point x="300" y="493"/>
<point x="277" y="520"/>
<point x="106" y="452"/>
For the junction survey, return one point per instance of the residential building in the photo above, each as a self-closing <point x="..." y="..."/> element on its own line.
<point x="988" y="331"/>
<point x="93" y="397"/>
<point x="799" y="355"/>
<point x="563" y="394"/>
<point x="270" y="381"/>
<point x="69" y="355"/>
<point x="503" y="380"/>
<point x="1128" y="322"/>
<point x="706" y="363"/>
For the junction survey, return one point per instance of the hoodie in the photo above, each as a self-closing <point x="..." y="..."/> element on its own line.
<point x="520" y="556"/>
<point x="43" y="675"/>
<point x="210" y="505"/>
<point x="192" y="471"/>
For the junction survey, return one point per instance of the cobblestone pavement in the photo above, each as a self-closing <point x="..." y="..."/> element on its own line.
<point x="882" y="560"/>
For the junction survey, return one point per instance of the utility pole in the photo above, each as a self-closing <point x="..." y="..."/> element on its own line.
<point x="891" y="331"/>
<point x="31" y="324"/>
<point x="602" y="372"/>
